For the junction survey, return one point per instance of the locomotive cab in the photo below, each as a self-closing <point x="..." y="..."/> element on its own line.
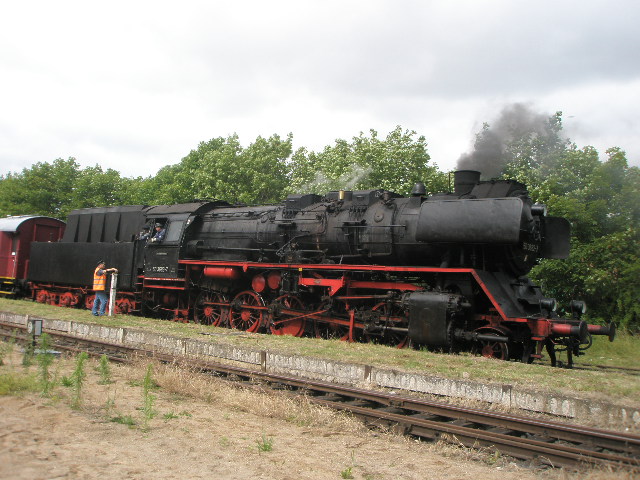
<point x="161" y="257"/>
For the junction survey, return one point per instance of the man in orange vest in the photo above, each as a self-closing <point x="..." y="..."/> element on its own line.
<point x="100" y="286"/>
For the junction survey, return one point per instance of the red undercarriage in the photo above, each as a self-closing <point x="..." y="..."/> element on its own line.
<point x="258" y="307"/>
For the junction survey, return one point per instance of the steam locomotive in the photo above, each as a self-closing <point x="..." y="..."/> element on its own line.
<point x="445" y="271"/>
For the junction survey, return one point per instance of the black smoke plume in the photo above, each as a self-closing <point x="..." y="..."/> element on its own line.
<point x="492" y="147"/>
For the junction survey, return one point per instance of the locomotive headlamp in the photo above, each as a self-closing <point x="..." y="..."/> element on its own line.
<point x="539" y="209"/>
<point x="548" y="304"/>
<point x="578" y="308"/>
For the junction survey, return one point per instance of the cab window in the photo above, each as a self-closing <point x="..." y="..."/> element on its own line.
<point x="174" y="231"/>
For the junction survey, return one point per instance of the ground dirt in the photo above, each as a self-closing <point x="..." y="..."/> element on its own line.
<point x="205" y="428"/>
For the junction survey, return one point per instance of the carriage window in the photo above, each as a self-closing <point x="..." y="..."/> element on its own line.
<point x="173" y="231"/>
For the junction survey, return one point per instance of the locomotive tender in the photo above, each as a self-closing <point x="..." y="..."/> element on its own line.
<point x="445" y="271"/>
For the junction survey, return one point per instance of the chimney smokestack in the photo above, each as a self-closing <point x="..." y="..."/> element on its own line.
<point x="464" y="181"/>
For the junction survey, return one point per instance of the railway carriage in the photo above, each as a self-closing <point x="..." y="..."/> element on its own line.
<point x="16" y="235"/>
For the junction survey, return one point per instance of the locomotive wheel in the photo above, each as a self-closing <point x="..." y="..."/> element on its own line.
<point x="386" y="310"/>
<point x="492" y="349"/>
<point x="288" y="324"/>
<point x="88" y="301"/>
<point x="124" y="305"/>
<point x="331" y="330"/>
<point x="42" y="296"/>
<point x="247" y="311"/>
<point x="66" y="299"/>
<point x="207" y="310"/>
<point x="69" y="299"/>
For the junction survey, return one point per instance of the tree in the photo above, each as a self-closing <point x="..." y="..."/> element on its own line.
<point x="43" y="189"/>
<point x="221" y="168"/>
<point x="94" y="187"/>
<point x="395" y="163"/>
<point x="602" y="202"/>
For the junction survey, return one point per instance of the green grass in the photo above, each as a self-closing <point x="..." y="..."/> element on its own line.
<point x="265" y="444"/>
<point x="123" y="420"/>
<point x="347" y="473"/>
<point x="624" y="351"/>
<point x="15" y="383"/>
<point x="539" y="376"/>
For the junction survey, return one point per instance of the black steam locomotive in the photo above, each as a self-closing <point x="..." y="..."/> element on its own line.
<point x="445" y="271"/>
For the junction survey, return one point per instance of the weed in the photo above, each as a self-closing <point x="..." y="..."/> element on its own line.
<point x="11" y="383"/>
<point x="66" y="381"/>
<point x="184" y="413"/>
<point x="347" y="473"/>
<point x="110" y="403"/>
<point x="124" y="420"/>
<point x="224" y="442"/>
<point x="265" y="444"/>
<point x="27" y="356"/>
<point x="77" y="377"/>
<point x="494" y="458"/>
<point x="5" y="349"/>
<point x="170" y="415"/>
<point x="148" y="399"/>
<point x="45" y="359"/>
<point x="105" y="371"/>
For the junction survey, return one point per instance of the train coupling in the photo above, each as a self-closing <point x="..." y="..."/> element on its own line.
<point x="582" y="330"/>
<point x="608" y="330"/>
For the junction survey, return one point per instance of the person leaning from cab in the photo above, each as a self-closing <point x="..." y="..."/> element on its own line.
<point x="100" y="286"/>
<point x="160" y="233"/>
<point x="145" y="234"/>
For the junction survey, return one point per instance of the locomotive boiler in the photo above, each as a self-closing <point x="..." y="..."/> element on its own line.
<point x="445" y="271"/>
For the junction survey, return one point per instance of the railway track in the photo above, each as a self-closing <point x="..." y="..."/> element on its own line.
<point x="540" y="441"/>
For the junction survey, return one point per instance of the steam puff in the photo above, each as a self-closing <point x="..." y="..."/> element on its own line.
<point x="347" y="181"/>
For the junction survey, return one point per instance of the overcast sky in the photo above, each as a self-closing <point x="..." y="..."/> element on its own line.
<point x="135" y="85"/>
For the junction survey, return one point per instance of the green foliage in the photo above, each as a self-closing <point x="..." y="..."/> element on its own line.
<point x="5" y="349"/>
<point x="78" y="377"/>
<point x="347" y="473"/>
<point x="395" y="164"/>
<point x="43" y="189"/>
<point x="265" y="444"/>
<point x="105" y="371"/>
<point x="58" y="187"/>
<point x="27" y="356"/>
<point x="110" y="403"/>
<point x="124" y="420"/>
<point x="14" y="383"/>
<point x="602" y="202"/>
<point x="148" y="399"/>
<point x="45" y="359"/>
<point x="222" y="169"/>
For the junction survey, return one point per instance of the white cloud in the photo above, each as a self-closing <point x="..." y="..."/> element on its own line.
<point x="136" y="85"/>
